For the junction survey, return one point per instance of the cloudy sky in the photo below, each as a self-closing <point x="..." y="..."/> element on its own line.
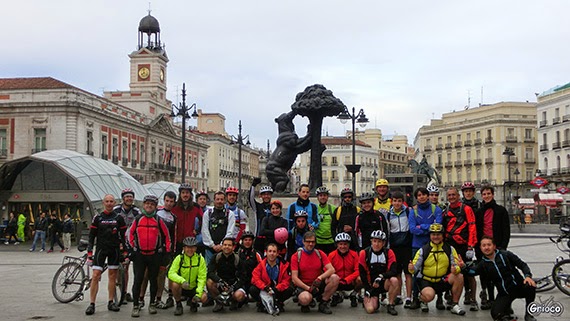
<point x="403" y="62"/>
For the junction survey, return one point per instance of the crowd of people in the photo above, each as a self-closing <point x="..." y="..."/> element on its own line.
<point x="316" y="254"/>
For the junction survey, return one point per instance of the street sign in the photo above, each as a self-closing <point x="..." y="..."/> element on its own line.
<point x="529" y="211"/>
<point x="539" y="190"/>
<point x="539" y="182"/>
<point x="563" y="190"/>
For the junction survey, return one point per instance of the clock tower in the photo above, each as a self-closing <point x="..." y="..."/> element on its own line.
<point x="148" y="74"/>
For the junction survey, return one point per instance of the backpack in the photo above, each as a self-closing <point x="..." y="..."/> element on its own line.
<point x="182" y="260"/>
<point x="159" y="243"/>
<point x="212" y="220"/>
<point x="432" y="210"/>
<point x="299" y="250"/>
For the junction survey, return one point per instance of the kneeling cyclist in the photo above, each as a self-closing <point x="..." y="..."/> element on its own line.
<point x="345" y="263"/>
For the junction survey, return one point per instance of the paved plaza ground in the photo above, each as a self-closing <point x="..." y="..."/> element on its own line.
<point x="26" y="293"/>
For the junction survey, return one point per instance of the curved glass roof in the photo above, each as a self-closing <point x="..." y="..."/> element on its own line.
<point x="94" y="176"/>
<point x="160" y="187"/>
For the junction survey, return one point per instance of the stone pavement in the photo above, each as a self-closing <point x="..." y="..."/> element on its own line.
<point x="26" y="293"/>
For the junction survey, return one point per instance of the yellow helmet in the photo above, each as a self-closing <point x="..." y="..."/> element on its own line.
<point x="381" y="182"/>
<point x="436" y="228"/>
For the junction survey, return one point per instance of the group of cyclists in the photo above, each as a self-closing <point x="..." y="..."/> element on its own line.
<point x="314" y="253"/>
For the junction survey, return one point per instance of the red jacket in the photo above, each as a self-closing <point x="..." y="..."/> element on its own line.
<point x="460" y="228"/>
<point x="260" y="278"/>
<point x="185" y="221"/>
<point x="148" y="234"/>
<point x="345" y="266"/>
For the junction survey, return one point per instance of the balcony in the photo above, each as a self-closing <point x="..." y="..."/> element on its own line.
<point x="566" y="143"/>
<point x="104" y="156"/>
<point x="477" y="161"/>
<point x="334" y="179"/>
<point x="529" y="160"/>
<point x="325" y="164"/>
<point x="427" y="148"/>
<point x="511" y="139"/>
<point x="489" y="160"/>
<point x="458" y="163"/>
<point x="468" y="143"/>
<point x="467" y="163"/>
<point x="89" y="152"/>
<point x="458" y="144"/>
<point x="542" y="123"/>
<point x="477" y="141"/>
<point x="564" y="170"/>
<point x="565" y="118"/>
<point x="555" y="120"/>
<point x="3" y="153"/>
<point x="37" y="150"/>
<point x="439" y="165"/>
<point x="439" y="147"/>
<point x="555" y="171"/>
<point x="334" y="163"/>
<point x="448" y="145"/>
<point x="529" y="139"/>
<point x="556" y="145"/>
<point x="125" y="162"/>
<point x="133" y="163"/>
<point x="448" y="164"/>
<point x="143" y="164"/>
<point x="115" y="160"/>
<point x="488" y="140"/>
<point x="544" y="147"/>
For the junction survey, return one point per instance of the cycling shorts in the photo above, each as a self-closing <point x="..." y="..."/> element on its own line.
<point x="111" y="255"/>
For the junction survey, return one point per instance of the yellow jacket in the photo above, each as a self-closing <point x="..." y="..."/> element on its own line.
<point x="437" y="264"/>
<point x="192" y="270"/>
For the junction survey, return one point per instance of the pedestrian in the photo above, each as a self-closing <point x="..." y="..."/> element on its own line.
<point x="66" y="230"/>
<point x="54" y="230"/>
<point x="40" y="233"/>
<point x="21" y="227"/>
<point x="11" y="229"/>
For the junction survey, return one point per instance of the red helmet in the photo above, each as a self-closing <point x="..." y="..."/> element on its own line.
<point x="232" y="189"/>
<point x="281" y="235"/>
<point x="467" y="185"/>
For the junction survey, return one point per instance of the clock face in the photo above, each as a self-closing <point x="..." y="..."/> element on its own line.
<point x="161" y="74"/>
<point x="144" y="72"/>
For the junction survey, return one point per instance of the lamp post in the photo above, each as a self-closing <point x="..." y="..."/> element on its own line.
<point x="361" y="119"/>
<point x="239" y="141"/>
<point x="508" y="152"/>
<point x="182" y="110"/>
<point x="374" y="176"/>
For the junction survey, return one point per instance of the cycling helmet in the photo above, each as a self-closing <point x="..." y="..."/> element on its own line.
<point x="436" y="228"/>
<point x="322" y="190"/>
<point x="378" y="235"/>
<point x="381" y="182"/>
<point x="277" y="202"/>
<point x="265" y="189"/>
<point x="346" y="190"/>
<point x="301" y="213"/>
<point x="433" y="189"/>
<point x="232" y="189"/>
<point x="342" y="237"/>
<point x="127" y="191"/>
<point x="247" y="234"/>
<point x="467" y="185"/>
<point x="190" y="241"/>
<point x="366" y="197"/>
<point x="281" y="235"/>
<point x="202" y="192"/>
<point x="150" y="198"/>
<point x="184" y="186"/>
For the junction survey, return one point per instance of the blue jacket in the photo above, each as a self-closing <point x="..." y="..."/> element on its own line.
<point x="420" y="218"/>
<point x="308" y="207"/>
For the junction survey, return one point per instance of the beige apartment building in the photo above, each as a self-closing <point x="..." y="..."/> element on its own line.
<point x="472" y="145"/>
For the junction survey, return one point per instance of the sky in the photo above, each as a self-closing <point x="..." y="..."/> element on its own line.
<point x="402" y="62"/>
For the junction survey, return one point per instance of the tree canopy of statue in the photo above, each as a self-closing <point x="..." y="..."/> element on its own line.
<point x="424" y="168"/>
<point x="315" y="102"/>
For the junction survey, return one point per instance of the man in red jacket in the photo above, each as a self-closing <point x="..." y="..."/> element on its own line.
<point x="149" y="240"/>
<point x="345" y="263"/>
<point x="272" y="276"/>
<point x="186" y="212"/>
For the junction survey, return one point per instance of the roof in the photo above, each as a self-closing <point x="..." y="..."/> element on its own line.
<point x="33" y="83"/>
<point x="160" y="188"/>
<point x="342" y="141"/>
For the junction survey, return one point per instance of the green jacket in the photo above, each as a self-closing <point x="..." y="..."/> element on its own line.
<point x="195" y="274"/>
<point x="324" y="232"/>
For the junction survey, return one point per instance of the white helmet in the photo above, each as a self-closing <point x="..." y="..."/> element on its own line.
<point x="433" y="189"/>
<point x="342" y="237"/>
<point x="266" y="189"/>
<point x="378" y="235"/>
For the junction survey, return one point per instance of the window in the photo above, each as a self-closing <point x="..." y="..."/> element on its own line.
<point x="439" y="161"/>
<point x="3" y="142"/>
<point x="567" y="134"/>
<point x="529" y="153"/>
<point x="458" y="156"/>
<point x="125" y="149"/>
<point x="478" y="174"/>
<point x="334" y="161"/>
<point x="489" y="133"/>
<point x="510" y="132"/>
<point x="489" y="173"/>
<point x="449" y="157"/>
<point x="115" y="148"/>
<point x="449" y="139"/>
<point x="459" y="176"/>
<point x="325" y="175"/>
<point x="334" y="175"/>
<point x="528" y="133"/>
<point x="153" y="155"/>
<point x="558" y="136"/>
<point x="428" y="142"/>
<point x="142" y="158"/>
<point x="544" y="139"/>
<point x="133" y="151"/>
<point x="556" y="112"/>
<point x="458" y="137"/>
<point x="544" y="115"/>
<point x="468" y="176"/>
<point x="468" y="136"/>
<point x="468" y="155"/>
<point x="324" y="161"/>
<point x="39" y="139"/>
<point x="90" y="142"/>
<point x="478" y="154"/>
<point x="104" y="142"/>
<point x="478" y="134"/>
<point x="439" y="140"/>
<point x="490" y="152"/>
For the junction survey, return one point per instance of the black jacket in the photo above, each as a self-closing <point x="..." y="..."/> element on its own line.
<point x="502" y="271"/>
<point x="224" y="268"/>
<point x="501" y="224"/>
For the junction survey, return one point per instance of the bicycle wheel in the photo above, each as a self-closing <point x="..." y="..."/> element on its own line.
<point x="544" y="284"/>
<point x="120" y="286"/>
<point x="67" y="282"/>
<point x="561" y="276"/>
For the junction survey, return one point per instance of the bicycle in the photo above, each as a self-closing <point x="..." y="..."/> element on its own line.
<point x="73" y="278"/>
<point x="558" y="278"/>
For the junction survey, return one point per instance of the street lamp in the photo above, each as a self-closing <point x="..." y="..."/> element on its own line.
<point x="361" y="119"/>
<point x="374" y="175"/>
<point x="508" y="152"/>
<point x="182" y="110"/>
<point x="239" y="140"/>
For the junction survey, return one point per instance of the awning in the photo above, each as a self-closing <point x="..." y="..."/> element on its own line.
<point x="551" y="199"/>
<point x="526" y="201"/>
